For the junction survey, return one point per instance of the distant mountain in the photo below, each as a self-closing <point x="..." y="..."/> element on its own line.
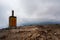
<point x="40" y="23"/>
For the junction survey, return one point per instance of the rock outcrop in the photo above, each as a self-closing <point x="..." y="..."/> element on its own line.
<point x="37" y="32"/>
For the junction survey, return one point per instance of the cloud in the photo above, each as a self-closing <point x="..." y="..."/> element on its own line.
<point x="37" y="9"/>
<point x="30" y="11"/>
<point x="40" y="10"/>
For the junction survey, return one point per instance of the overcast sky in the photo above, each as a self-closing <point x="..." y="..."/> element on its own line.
<point x="29" y="11"/>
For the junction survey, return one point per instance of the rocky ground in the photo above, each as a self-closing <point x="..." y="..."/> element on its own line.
<point x="36" y="32"/>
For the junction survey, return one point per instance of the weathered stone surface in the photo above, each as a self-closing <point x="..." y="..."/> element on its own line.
<point x="46" y="32"/>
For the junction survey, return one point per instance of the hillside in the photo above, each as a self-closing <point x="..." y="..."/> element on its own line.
<point x="33" y="32"/>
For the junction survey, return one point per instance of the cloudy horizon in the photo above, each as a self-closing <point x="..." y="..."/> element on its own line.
<point x="30" y="11"/>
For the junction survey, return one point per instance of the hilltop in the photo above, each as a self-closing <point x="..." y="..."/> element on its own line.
<point x="32" y="32"/>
